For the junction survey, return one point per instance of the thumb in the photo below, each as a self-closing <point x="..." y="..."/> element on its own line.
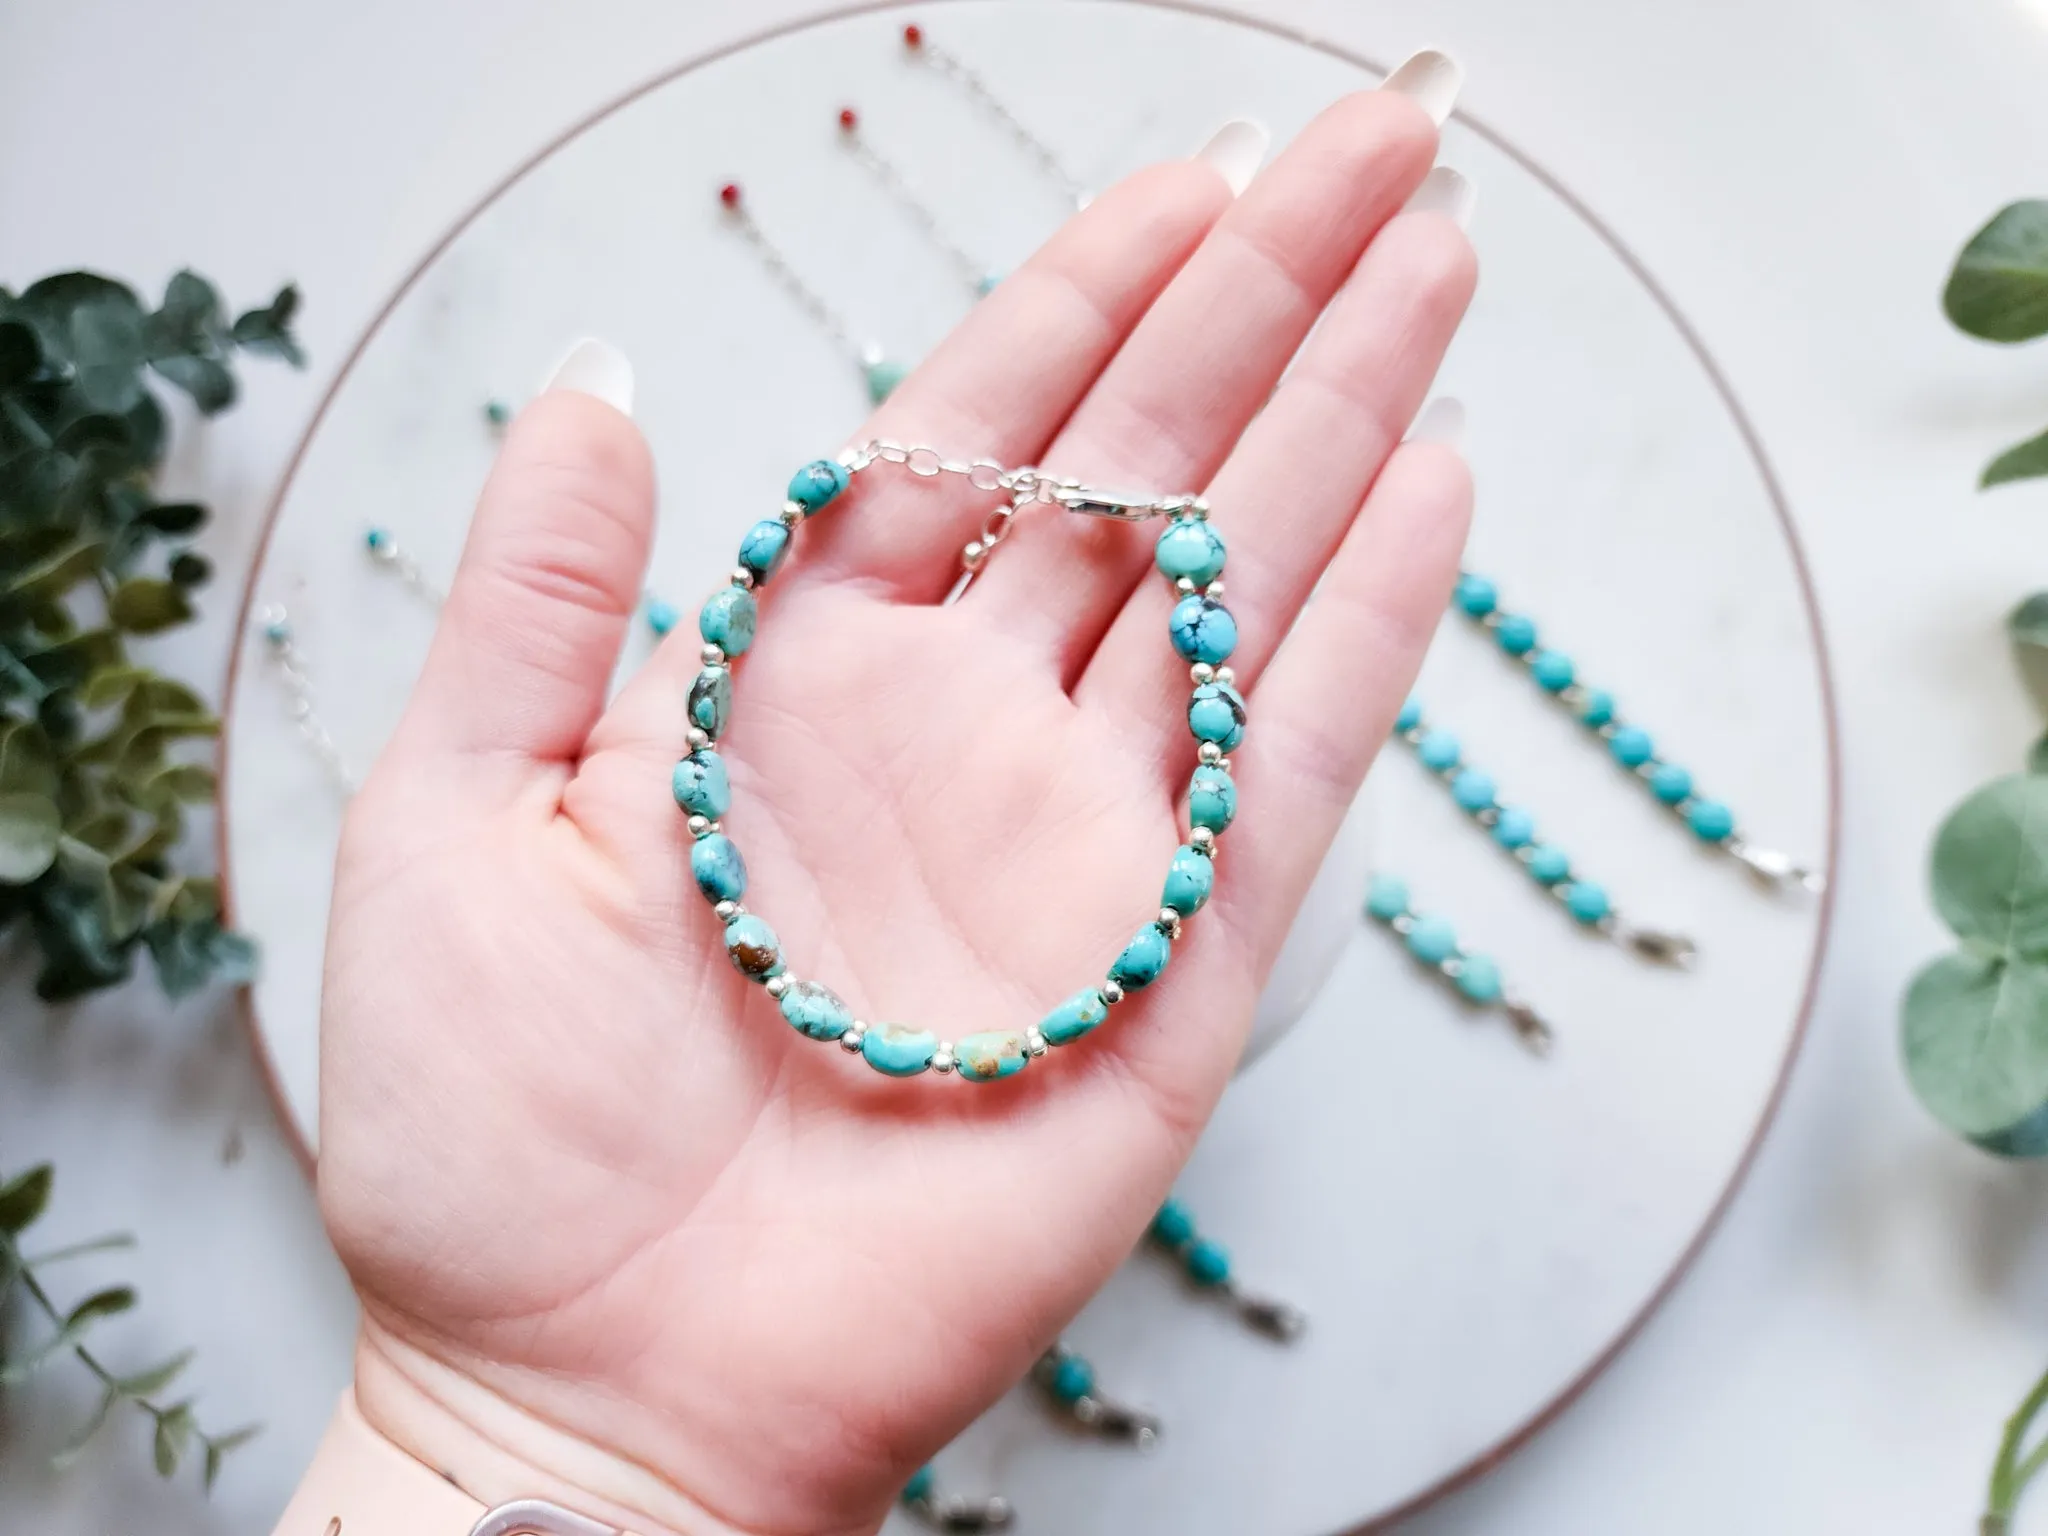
<point x="549" y="579"/>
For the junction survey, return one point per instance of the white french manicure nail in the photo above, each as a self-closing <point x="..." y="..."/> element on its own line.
<point x="1432" y="78"/>
<point x="1445" y="191"/>
<point x="1236" y="150"/>
<point x="593" y="367"/>
<point x="1440" y="421"/>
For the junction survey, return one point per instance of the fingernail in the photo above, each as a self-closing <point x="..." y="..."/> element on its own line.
<point x="1430" y="77"/>
<point x="593" y="367"/>
<point x="1236" y="150"/>
<point x="1440" y="421"/>
<point x="1445" y="191"/>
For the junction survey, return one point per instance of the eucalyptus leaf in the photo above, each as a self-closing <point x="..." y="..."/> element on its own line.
<point x="173" y="1433"/>
<point x="1999" y="288"/>
<point x="177" y="517"/>
<point x="218" y="1449"/>
<point x="30" y="828"/>
<point x="144" y="605"/>
<point x="2022" y="461"/>
<point x="1989" y="871"/>
<point x="1975" y="1035"/>
<point x="106" y="354"/>
<point x="152" y="1381"/>
<point x="24" y="1197"/>
<point x="21" y="354"/>
<point x="110" y="685"/>
<point x="268" y="330"/>
<point x="189" y="570"/>
<point x="2037" y="755"/>
<point x="207" y="380"/>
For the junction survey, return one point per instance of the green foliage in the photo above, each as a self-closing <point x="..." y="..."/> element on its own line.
<point x="95" y="773"/>
<point x="55" y="1332"/>
<point x="1998" y="291"/>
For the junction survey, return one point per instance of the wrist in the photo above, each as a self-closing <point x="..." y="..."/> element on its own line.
<point x="497" y="1452"/>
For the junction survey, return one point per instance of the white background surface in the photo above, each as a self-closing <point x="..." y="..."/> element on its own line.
<point x="1799" y="178"/>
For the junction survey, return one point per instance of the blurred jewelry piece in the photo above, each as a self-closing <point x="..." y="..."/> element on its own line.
<point x="950" y="1513"/>
<point x="1434" y="942"/>
<point x="1711" y="821"/>
<point x="384" y="551"/>
<point x="1514" y="831"/>
<point x="1207" y="1265"/>
<point x="290" y="662"/>
<point x="1199" y="628"/>
<point x="978" y="275"/>
<point x="919" y="47"/>
<point x="1068" y="1382"/>
<point x="878" y="371"/>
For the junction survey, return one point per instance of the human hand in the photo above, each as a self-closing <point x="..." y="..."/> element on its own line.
<point x="622" y="1237"/>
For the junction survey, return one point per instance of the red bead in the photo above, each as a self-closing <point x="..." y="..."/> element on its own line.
<point x="729" y="194"/>
<point x="848" y="119"/>
<point x="913" y="36"/>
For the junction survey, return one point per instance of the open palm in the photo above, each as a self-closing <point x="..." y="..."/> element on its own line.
<point x="622" y="1236"/>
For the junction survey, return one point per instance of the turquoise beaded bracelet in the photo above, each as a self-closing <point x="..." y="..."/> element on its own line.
<point x="1189" y="554"/>
<point x="1711" y="821"/>
<point x="1434" y="943"/>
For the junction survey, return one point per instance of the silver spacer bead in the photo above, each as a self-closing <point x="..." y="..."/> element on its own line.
<point x="714" y="655"/>
<point x="1223" y="763"/>
<point x="1112" y="992"/>
<point x="1203" y="840"/>
<point x="698" y="738"/>
<point x="698" y="825"/>
<point x="775" y="986"/>
<point x="1184" y="585"/>
<point x="1170" y="921"/>
<point x="1209" y="752"/>
<point x="742" y="577"/>
<point x="1201" y="509"/>
<point x="973" y="556"/>
<point x="726" y="911"/>
<point x="1034" y="1042"/>
<point x="942" y="1058"/>
<point x="792" y="516"/>
<point x="1202" y="672"/>
<point x="1225" y="675"/>
<point x="851" y="1040"/>
<point x="794" y="506"/>
<point x="1214" y="589"/>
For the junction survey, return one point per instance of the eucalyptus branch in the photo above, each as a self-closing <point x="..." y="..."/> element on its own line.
<point x="2010" y="1472"/>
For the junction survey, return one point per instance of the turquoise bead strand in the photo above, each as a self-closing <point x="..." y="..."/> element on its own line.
<point x="951" y="1512"/>
<point x="1514" y="832"/>
<point x="1216" y="718"/>
<point x="1206" y="1263"/>
<point x="1434" y="943"/>
<point x="1068" y="1382"/>
<point x="1711" y="821"/>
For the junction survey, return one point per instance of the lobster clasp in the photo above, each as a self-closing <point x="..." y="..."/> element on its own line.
<point x="1109" y="504"/>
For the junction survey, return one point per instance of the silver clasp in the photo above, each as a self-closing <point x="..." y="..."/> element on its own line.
<point x="537" y="1517"/>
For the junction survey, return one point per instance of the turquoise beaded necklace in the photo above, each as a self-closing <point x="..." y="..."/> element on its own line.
<point x="1189" y="554"/>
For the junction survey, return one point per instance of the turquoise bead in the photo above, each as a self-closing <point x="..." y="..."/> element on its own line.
<point x="1473" y="789"/>
<point x="711" y="701"/>
<point x="1548" y="865"/>
<point x="1208" y="1263"/>
<point x="1212" y="798"/>
<point x="700" y="785"/>
<point x="1585" y="901"/>
<point x="1174" y="1225"/>
<point x="1476" y="595"/>
<point x="1143" y="959"/>
<point x="1711" y="821"/>
<point x="718" y="869"/>
<point x="1410" y="716"/>
<point x="1514" y="828"/>
<point x="817" y="483"/>
<point x="1597" y="709"/>
<point x="1072" y="1379"/>
<point x="1189" y="880"/>
<point x="1202" y="629"/>
<point x="1631" y="746"/>
<point x="987" y="284"/>
<point x="1075" y="1017"/>
<point x="816" y="1011"/>
<point x="752" y="947"/>
<point x="1670" y="783"/>
<point x="377" y="540"/>
<point x="882" y="377"/>
<point x="1515" y="634"/>
<point x="1216" y="713"/>
<point x="763" y="547"/>
<point x="1432" y="940"/>
<point x="920" y="1486"/>
<point x="1438" y="751"/>
<point x="991" y="1054"/>
<point x="1553" y="670"/>
<point x="497" y="412"/>
<point x="662" y="616"/>
<point x="727" y="620"/>
<point x="1479" y="979"/>
<point x="1189" y="548"/>
<point x="897" y="1050"/>
<point x="1386" y="898"/>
